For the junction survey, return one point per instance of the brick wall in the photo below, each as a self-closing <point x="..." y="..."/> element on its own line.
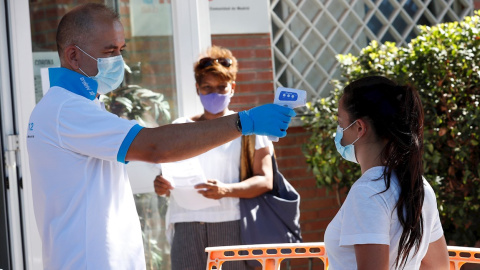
<point x="255" y="75"/>
<point x="476" y="4"/>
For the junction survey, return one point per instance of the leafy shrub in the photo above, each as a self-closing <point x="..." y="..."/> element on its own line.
<point x="443" y="63"/>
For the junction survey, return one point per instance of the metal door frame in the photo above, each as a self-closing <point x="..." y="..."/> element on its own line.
<point x="5" y="251"/>
<point x="11" y="188"/>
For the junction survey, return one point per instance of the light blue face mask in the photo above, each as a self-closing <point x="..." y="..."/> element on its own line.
<point x="348" y="151"/>
<point x="110" y="72"/>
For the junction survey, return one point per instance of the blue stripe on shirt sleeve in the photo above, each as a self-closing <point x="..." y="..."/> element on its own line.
<point x="122" y="152"/>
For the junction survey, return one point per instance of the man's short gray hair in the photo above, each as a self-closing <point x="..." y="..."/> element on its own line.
<point x="77" y="24"/>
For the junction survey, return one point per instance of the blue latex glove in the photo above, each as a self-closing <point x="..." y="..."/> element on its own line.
<point x="268" y="120"/>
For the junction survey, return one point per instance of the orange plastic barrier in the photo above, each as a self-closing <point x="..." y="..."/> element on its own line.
<point x="462" y="255"/>
<point x="272" y="255"/>
<point x="269" y="255"/>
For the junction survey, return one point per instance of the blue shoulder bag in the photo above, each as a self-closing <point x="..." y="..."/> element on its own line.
<point x="272" y="217"/>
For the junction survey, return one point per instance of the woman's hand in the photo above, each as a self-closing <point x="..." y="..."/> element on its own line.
<point x="162" y="186"/>
<point x="261" y="182"/>
<point x="213" y="189"/>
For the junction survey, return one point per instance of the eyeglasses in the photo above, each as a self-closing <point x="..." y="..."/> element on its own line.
<point x="207" y="61"/>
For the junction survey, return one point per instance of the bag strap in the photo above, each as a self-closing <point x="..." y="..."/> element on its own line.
<point x="247" y="157"/>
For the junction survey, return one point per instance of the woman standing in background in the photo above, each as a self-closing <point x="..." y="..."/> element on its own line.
<point x="194" y="230"/>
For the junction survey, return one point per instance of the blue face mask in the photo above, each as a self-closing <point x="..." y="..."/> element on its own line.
<point x="348" y="151"/>
<point x="110" y="72"/>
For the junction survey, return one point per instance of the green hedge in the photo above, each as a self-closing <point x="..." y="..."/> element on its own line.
<point x="443" y="63"/>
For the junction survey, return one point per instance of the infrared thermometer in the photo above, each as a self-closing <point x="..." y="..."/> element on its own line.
<point x="291" y="98"/>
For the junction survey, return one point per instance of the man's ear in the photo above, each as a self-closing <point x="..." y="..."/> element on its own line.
<point x="71" y="57"/>
<point x="197" y="87"/>
<point x="361" y="126"/>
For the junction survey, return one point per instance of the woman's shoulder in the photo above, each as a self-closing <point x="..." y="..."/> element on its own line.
<point x="373" y="181"/>
<point x="429" y="198"/>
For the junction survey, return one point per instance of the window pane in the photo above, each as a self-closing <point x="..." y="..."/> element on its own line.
<point x="150" y="56"/>
<point x="149" y="78"/>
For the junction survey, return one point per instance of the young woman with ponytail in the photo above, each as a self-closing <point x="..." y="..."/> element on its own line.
<point x="389" y="219"/>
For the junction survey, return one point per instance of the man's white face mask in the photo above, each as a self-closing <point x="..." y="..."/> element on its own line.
<point x="110" y="72"/>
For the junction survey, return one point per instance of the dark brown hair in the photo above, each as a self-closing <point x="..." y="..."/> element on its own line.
<point x="228" y="74"/>
<point x="396" y="113"/>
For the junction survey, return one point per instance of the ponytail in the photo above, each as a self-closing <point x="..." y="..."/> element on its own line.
<point x="403" y="154"/>
<point x="396" y="114"/>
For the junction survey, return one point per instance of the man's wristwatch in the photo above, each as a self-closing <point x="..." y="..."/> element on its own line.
<point x="239" y="123"/>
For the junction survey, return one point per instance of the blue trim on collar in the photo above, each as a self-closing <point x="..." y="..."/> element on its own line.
<point x="73" y="82"/>
<point x="122" y="152"/>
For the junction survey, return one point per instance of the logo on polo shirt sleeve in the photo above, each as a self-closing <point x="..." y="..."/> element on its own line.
<point x="30" y="128"/>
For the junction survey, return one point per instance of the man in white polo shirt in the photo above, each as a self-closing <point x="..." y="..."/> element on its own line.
<point x="83" y="202"/>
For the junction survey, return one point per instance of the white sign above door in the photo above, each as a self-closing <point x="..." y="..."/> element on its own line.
<point x="154" y="17"/>
<point x="239" y="16"/>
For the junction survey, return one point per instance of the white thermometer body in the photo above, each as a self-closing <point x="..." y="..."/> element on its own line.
<point x="291" y="98"/>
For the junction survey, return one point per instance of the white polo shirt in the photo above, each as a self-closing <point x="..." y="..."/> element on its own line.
<point x="83" y="201"/>
<point x="369" y="216"/>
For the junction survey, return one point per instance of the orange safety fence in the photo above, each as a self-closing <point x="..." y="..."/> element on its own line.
<point x="462" y="255"/>
<point x="271" y="256"/>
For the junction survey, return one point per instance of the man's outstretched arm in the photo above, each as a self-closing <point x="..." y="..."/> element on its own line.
<point x="181" y="141"/>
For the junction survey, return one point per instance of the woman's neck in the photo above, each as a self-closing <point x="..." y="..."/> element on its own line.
<point x="369" y="155"/>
